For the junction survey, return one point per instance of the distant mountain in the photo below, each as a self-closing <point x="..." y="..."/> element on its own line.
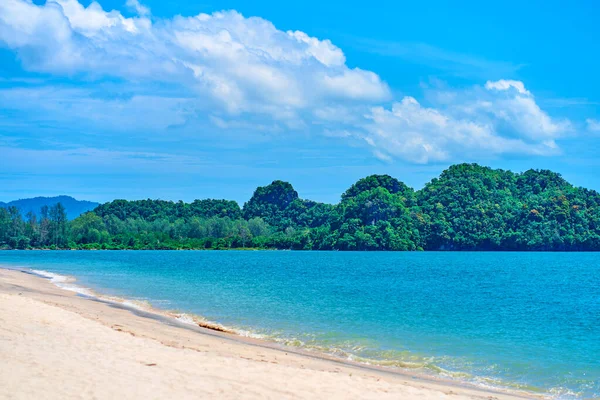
<point x="74" y="207"/>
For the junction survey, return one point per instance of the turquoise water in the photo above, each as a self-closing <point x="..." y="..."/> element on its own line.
<point x="519" y="320"/>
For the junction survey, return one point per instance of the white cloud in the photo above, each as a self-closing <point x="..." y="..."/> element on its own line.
<point x="419" y="134"/>
<point x="244" y="64"/>
<point x="499" y="118"/>
<point x="593" y="125"/>
<point x="322" y="50"/>
<point x="508" y="105"/>
<point x="93" y="19"/>
<point x="356" y="84"/>
<point x="511" y="102"/>
<point x="244" y="74"/>
<point x="505" y="85"/>
<point x="135" y="6"/>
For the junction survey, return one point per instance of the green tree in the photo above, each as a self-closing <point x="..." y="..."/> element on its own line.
<point x="58" y="225"/>
<point x="88" y="228"/>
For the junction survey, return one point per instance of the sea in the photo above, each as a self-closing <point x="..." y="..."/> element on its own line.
<point x="522" y="321"/>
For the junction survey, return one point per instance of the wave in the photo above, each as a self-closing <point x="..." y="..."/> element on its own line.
<point x="62" y="281"/>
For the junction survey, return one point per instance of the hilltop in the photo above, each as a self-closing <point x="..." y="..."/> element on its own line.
<point x="73" y="207"/>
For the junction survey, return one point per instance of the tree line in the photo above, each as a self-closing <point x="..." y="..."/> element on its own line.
<point x="468" y="207"/>
<point x="49" y="231"/>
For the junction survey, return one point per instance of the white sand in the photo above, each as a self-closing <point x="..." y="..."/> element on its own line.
<point x="56" y="345"/>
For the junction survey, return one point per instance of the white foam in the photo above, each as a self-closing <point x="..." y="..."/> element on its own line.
<point x="141" y="305"/>
<point x="63" y="282"/>
<point x="54" y="278"/>
<point x="186" y="319"/>
<point x="248" y="334"/>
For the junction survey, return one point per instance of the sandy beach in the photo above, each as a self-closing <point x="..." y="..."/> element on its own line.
<point x="55" y="344"/>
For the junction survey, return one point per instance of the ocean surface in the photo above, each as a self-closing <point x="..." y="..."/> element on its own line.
<point x="527" y="321"/>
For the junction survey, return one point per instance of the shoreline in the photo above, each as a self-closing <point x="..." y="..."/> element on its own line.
<point x="168" y="331"/>
<point x="311" y="250"/>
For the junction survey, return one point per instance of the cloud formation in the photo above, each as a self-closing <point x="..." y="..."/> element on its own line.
<point x="245" y="64"/>
<point x="138" y="8"/>
<point x="504" y="85"/>
<point x="244" y="72"/>
<point x="593" y="125"/>
<point x="501" y="117"/>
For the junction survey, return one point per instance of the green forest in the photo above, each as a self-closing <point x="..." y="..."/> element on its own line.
<point x="468" y="207"/>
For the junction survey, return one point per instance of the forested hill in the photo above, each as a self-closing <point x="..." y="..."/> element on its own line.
<point x="469" y="207"/>
<point x="74" y="207"/>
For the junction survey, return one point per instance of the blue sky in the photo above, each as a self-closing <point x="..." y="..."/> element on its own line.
<point x="196" y="99"/>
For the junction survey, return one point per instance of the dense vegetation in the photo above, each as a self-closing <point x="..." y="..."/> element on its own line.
<point x="469" y="207"/>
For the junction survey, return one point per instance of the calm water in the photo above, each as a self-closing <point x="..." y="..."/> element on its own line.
<point x="522" y="320"/>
